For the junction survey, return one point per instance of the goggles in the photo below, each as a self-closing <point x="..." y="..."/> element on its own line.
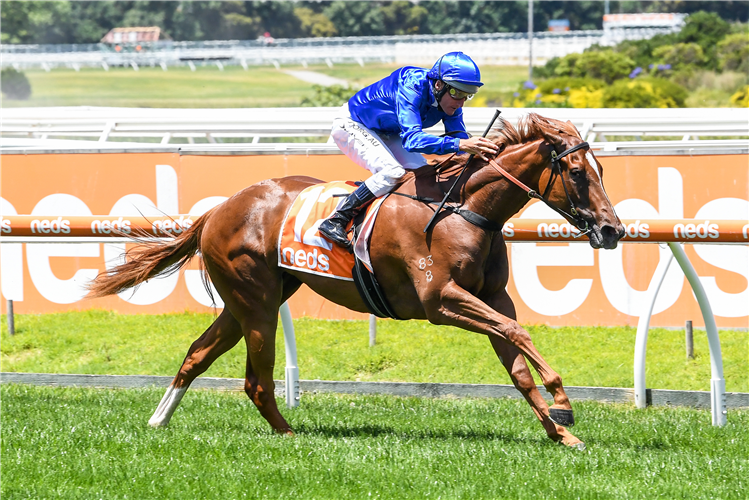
<point x="459" y="95"/>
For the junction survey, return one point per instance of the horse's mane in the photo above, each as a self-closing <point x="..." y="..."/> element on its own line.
<point x="530" y="128"/>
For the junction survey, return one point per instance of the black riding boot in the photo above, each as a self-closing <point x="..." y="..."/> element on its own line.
<point x="334" y="228"/>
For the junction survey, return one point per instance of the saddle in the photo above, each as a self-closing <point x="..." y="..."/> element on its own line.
<point x="302" y="249"/>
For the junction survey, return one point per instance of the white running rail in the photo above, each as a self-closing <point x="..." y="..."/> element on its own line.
<point x="485" y="48"/>
<point x="251" y="125"/>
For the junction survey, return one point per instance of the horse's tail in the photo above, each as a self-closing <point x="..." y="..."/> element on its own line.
<point x="148" y="260"/>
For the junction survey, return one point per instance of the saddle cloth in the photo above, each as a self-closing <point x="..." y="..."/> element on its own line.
<point x="302" y="248"/>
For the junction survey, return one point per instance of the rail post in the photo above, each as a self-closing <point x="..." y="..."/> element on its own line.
<point x="717" y="382"/>
<point x="11" y="319"/>
<point x="292" y="370"/>
<point x="689" y="339"/>
<point x="641" y="340"/>
<point x="372" y="330"/>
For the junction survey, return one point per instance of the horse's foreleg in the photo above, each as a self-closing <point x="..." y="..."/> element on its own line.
<point x="457" y="307"/>
<point x="514" y="362"/>
<point x="221" y="336"/>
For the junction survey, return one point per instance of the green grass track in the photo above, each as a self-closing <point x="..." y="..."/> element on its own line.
<point x="208" y="87"/>
<point x="104" y="342"/>
<point x="95" y="443"/>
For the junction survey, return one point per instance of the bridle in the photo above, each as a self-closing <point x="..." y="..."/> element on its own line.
<point x="556" y="169"/>
<point x="481" y="221"/>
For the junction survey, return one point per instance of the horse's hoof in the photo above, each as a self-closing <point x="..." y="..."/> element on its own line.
<point x="578" y="446"/>
<point x="157" y="423"/>
<point x="565" y="418"/>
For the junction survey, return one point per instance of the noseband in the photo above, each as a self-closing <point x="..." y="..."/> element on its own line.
<point x="556" y="169"/>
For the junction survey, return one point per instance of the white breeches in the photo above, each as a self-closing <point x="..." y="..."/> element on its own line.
<point x="383" y="155"/>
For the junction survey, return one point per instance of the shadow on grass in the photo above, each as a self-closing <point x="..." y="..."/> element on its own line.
<point x="374" y="430"/>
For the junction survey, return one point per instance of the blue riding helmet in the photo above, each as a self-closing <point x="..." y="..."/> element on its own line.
<point x="457" y="70"/>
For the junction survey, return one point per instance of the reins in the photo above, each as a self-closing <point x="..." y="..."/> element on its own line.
<point x="580" y="223"/>
<point x="449" y="191"/>
<point x="484" y="223"/>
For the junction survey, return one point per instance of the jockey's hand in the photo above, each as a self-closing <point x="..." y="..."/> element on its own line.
<point x="479" y="146"/>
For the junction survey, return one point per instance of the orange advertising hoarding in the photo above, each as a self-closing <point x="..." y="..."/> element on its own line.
<point x="552" y="283"/>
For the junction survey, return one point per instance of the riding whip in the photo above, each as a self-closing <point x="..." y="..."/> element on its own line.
<point x="449" y="191"/>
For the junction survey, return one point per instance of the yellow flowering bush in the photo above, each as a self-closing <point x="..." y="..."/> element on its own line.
<point x="564" y="92"/>
<point x="644" y="93"/>
<point x="741" y="98"/>
<point x="560" y="92"/>
<point x="586" y="98"/>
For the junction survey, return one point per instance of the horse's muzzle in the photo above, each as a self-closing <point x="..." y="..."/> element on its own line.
<point x="606" y="236"/>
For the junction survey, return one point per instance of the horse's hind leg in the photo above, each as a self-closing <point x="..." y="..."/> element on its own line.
<point x="259" y="385"/>
<point x="260" y="337"/>
<point x="221" y="336"/>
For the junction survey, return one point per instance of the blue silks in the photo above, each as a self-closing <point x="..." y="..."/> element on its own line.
<point x="403" y="104"/>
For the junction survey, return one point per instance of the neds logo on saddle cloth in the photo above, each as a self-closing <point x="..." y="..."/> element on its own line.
<point x="300" y="245"/>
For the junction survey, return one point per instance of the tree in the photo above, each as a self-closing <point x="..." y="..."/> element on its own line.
<point x="89" y="21"/>
<point x="277" y="18"/>
<point x="733" y="53"/>
<point x="356" y="18"/>
<point x="36" y="22"/>
<point x="92" y="20"/>
<point x="403" y="18"/>
<point x="705" y="29"/>
<point x="315" y="24"/>
<point x="681" y="56"/>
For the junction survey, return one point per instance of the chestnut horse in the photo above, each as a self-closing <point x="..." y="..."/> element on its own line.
<point x="464" y="286"/>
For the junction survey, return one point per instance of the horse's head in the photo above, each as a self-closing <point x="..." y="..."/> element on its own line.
<point x="562" y="171"/>
<point x="573" y="183"/>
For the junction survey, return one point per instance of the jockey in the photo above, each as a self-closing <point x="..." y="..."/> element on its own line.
<point x="381" y="129"/>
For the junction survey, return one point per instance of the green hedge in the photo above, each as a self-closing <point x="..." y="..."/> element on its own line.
<point x="644" y="73"/>
<point x="605" y="65"/>
<point x="644" y="93"/>
<point x="14" y="84"/>
<point x="567" y="92"/>
<point x="334" y="95"/>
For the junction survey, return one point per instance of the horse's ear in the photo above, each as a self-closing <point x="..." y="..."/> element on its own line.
<point x="572" y="127"/>
<point x="502" y="147"/>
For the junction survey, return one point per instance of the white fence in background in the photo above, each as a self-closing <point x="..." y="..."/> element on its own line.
<point x="101" y="127"/>
<point x="485" y="48"/>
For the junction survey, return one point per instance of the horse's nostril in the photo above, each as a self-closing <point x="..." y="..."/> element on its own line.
<point x="610" y="233"/>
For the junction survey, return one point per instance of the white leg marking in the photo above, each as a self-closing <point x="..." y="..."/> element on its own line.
<point x="166" y="407"/>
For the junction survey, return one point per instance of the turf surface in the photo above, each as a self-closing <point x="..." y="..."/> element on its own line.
<point x="178" y="87"/>
<point x="94" y="443"/>
<point x="103" y="342"/>
<point x="208" y="87"/>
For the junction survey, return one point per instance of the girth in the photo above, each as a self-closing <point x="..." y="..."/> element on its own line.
<point x="366" y="284"/>
<point x="469" y="215"/>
